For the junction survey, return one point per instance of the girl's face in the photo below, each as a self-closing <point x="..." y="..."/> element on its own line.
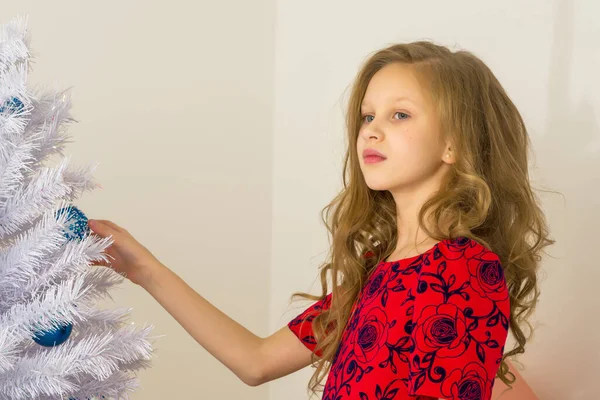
<point x="399" y="121"/>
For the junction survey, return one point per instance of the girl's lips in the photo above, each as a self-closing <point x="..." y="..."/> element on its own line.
<point x="373" y="159"/>
<point x="372" y="152"/>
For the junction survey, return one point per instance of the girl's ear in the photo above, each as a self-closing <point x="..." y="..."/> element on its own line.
<point x="448" y="154"/>
<point x="448" y="157"/>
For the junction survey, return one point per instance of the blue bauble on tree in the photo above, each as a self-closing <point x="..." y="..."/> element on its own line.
<point x="77" y="223"/>
<point x="75" y="229"/>
<point x="54" y="337"/>
<point x="14" y="105"/>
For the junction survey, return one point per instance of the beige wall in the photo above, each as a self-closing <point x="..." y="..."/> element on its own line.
<point x="174" y="101"/>
<point x="218" y="129"/>
<point x="546" y="55"/>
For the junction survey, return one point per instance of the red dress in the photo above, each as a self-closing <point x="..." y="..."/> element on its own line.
<point x="428" y="326"/>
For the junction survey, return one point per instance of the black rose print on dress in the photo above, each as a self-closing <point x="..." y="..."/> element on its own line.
<point x="376" y="288"/>
<point x="425" y="327"/>
<point x="468" y="383"/>
<point x="487" y="277"/>
<point x="301" y="325"/>
<point x="370" y="335"/>
<point x="442" y="330"/>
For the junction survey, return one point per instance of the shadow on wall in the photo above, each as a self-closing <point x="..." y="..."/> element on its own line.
<point x="564" y="363"/>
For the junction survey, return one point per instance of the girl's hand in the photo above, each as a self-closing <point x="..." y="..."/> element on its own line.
<point x="126" y="255"/>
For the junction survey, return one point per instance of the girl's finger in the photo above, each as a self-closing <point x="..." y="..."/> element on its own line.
<point x="99" y="262"/>
<point x="112" y="225"/>
<point x="99" y="228"/>
<point x="102" y="226"/>
<point x="100" y="221"/>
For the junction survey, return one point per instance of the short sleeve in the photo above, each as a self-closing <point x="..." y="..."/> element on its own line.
<point x="301" y="325"/>
<point x="459" y="328"/>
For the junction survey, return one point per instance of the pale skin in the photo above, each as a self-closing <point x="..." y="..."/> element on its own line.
<point x="256" y="360"/>
<point x="253" y="359"/>
<point x="399" y="120"/>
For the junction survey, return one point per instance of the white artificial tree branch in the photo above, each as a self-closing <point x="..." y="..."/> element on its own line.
<point x="46" y="278"/>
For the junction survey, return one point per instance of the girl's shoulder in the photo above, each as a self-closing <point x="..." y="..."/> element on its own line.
<point x="463" y="249"/>
<point x="457" y="249"/>
<point x="473" y="267"/>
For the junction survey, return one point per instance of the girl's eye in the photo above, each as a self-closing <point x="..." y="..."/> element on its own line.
<point x="402" y="116"/>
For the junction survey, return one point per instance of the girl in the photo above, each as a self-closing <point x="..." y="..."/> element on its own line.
<point x="436" y="241"/>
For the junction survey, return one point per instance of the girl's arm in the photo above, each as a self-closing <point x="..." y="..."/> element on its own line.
<point x="282" y="353"/>
<point x="253" y="359"/>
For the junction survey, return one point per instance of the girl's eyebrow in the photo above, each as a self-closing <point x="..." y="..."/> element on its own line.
<point x="397" y="99"/>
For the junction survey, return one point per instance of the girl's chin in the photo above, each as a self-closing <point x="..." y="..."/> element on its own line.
<point x="378" y="186"/>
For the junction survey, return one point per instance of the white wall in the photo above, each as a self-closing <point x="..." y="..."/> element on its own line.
<point x="546" y="55"/>
<point x="263" y="84"/>
<point x="174" y="101"/>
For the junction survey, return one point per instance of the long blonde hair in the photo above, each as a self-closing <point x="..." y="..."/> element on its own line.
<point x="487" y="195"/>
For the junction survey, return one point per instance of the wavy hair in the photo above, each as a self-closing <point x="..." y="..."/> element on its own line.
<point x="486" y="196"/>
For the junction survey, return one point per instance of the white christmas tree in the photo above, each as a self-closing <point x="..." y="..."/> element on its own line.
<point x="54" y="342"/>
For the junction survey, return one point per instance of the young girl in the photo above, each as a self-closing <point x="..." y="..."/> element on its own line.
<point x="436" y="242"/>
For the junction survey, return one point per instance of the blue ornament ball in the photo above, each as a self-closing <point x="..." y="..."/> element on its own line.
<point x="77" y="222"/>
<point x="14" y="105"/>
<point x="53" y="337"/>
